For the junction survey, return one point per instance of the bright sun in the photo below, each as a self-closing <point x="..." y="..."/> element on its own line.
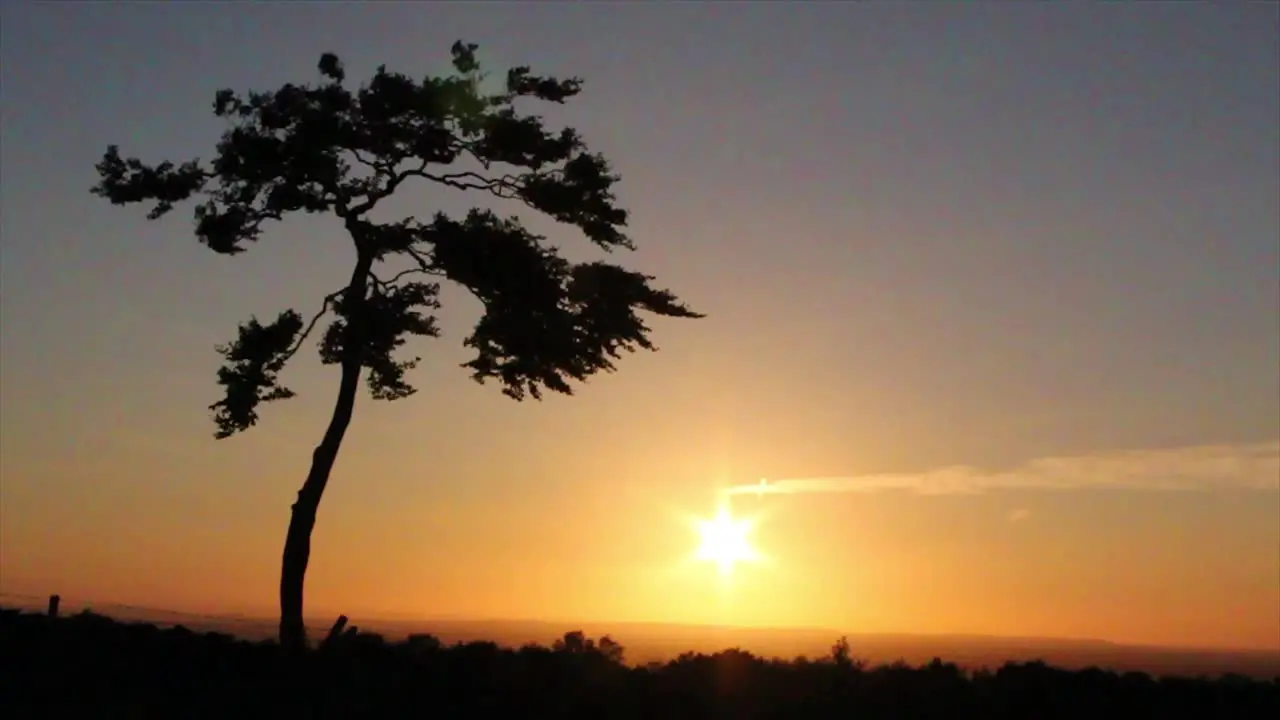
<point x="724" y="540"/>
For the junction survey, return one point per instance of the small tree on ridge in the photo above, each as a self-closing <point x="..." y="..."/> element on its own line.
<point x="547" y="323"/>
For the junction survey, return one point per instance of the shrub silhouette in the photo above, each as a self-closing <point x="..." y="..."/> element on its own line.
<point x="324" y="148"/>
<point x="91" y="666"/>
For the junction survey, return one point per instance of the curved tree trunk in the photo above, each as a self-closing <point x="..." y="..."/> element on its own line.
<point x="297" y="544"/>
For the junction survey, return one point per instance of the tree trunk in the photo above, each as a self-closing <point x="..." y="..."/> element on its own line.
<point x="297" y="544"/>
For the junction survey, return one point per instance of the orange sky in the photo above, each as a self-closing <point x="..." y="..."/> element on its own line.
<point x="970" y="241"/>
<point x="602" y="536"/>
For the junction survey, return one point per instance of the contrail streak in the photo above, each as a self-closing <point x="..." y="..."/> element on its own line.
<point x="1204" y="467"/>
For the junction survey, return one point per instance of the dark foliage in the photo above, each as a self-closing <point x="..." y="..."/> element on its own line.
<point x="326" y="148"/>
<point x="91" y="666"/>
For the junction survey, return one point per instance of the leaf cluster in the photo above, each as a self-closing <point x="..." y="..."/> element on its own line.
<point x="329" y="148"/>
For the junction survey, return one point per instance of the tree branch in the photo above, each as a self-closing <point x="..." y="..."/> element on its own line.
<point x="504" y="187"/>
<point x="377" y="196"/>
<point x="324" y="307"/>
<point x="422" y="262"/>
<point x="371" y="164"/>
<point x="386" y="285"/>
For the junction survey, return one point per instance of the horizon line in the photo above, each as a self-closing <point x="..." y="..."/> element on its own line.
<point x="579" y="625"/>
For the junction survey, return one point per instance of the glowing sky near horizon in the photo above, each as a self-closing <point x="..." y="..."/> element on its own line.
<point x="940" y="245"/>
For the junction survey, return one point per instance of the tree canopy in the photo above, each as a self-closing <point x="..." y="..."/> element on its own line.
<point x="326" y="148"/>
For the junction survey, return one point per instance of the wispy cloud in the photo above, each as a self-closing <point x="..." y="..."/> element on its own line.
<point x="1019" y="515"/>
<point x="1204" y="467"/>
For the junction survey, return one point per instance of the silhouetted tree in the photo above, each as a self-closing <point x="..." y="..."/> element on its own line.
<point x="611" y="650"/>
<point x="575" y="642"/>
<point x="842" y="656"/>
<point x="325" y="148"/>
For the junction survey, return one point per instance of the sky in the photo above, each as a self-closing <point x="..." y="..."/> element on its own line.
<point x="1004" y="277"/>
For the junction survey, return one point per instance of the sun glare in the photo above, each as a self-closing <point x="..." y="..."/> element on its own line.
<point x="725" y="541"/>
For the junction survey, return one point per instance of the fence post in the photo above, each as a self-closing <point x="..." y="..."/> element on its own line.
<point x="53" y="605"/>
<point x="335" y="631"/>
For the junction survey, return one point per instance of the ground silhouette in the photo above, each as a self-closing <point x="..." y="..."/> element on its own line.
<point x="89" y="665"/>
<point x="548" y="323"/>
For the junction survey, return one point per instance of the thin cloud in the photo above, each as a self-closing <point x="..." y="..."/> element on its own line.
<point x="1196" y="468"/>
<point x="1019" y="515"/>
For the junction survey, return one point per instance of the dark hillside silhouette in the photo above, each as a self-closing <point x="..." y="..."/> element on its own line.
<point x="658" y="641"/>
<point x="325" y="148"/>
<point x="88" y="665"/>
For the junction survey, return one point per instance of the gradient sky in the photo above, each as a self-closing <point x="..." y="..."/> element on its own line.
<point x="926" y="235"/>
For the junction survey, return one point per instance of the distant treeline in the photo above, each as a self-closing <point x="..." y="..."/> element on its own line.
<point x="91" y="666"/>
